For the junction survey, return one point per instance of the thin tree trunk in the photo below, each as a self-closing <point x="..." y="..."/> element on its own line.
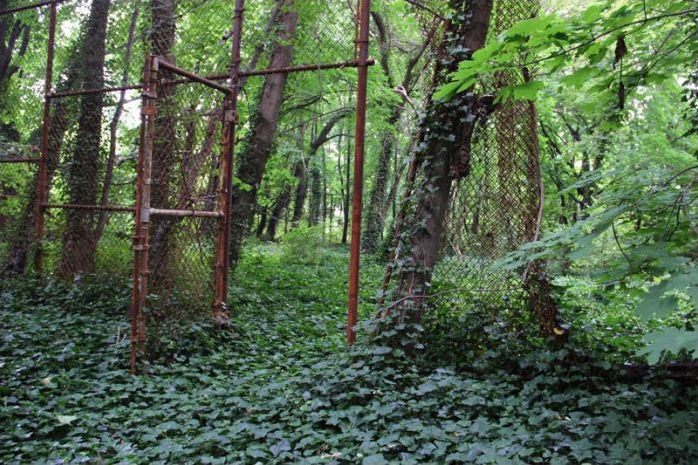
<point x="114" y="125"/>
<point x="253" y="159"/>
<point x="315" y="195"/>
<point x="300" y="196"/>
<point x="280" y="206"/>
<point x="80" y="244"/>
<point x="262" y="222"/>
<point x="347" y="194"/>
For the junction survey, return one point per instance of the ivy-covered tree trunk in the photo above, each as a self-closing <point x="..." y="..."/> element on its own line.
<point x="444" y="154"/>
<point x="162" y="249"/>
<point x="264" y="123"/>
<point x="378" y="206"/>
<point x="80" y="242"/>
<point x="375" y="217"/>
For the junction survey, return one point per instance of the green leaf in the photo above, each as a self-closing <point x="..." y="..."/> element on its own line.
<point x="655" y="304"/>
<point x="578" y="78"/>
<point x="447" y="91"/>
<point x="671" y="340"/>
<point x="375" y="459"/>
<point x="66" y="419"/>
<point x="592" y="14"/>
<point x="528" y="26"/>
<point x="526" y="91"/>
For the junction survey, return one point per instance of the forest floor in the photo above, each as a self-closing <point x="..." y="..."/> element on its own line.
<point x="283" y="388"/>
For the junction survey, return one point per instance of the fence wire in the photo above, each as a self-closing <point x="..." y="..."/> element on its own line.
<point x="185" y="178"/>
<point x="69" y="199"/>
<point x="495" y="209"/>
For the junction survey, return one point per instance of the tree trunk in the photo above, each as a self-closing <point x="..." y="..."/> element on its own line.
<point x="375" y="218"/>
<point x="301" y="194"/>
<point x="14" y="40"/>
<point x="254" y="156"/>
<point x="280" y="206"/>
<point x="446" y="126"/>
<point x="114" y="126"/>
<point x="80" y="244"/>
<point x="377" y="207"/>
<point x="347" y="194"/>
<point x="162" y="249"/>
<point x="315" y="195"/>
<point x="262" y="222"/>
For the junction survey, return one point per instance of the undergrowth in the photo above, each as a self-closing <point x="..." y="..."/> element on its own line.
<point x="282" y="388"/>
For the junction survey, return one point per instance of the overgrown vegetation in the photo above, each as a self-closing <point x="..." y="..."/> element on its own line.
<point x="529" y="280"/>
<point x="282" y="388"/>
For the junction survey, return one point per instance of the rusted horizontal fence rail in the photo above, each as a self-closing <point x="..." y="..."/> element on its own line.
<point x="20" y="160"/>
<point x="70" y="206"/>
<point x="31" y="6"/>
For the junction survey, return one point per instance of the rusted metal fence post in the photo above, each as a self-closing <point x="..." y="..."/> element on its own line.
<point x="230" y="119"/>
<point x="357" y="200"/>
<point x="142" y="220"/>
<point x="42" y="178"/>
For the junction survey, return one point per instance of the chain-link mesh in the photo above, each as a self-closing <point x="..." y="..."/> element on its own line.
<point x="495" y="209"/>
<point x="22" y="35"/>
<point x="73" y="205"/>
<point x="321" y="32"/>
<point x="185" y="180"/>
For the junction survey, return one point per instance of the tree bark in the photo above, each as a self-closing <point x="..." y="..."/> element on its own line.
<point x="258" y="146"/>
<point x="446" y="126"/>
<point x="315" y="195"/>
<point x="162" y="40"/>
<point x="14" y="40"/>
<point x="80" y="244"/>
<point x="114" y="125"/>
<point x="280" y="206"/>
<point x="300" y="196"/>
<point x="377" y="207"/>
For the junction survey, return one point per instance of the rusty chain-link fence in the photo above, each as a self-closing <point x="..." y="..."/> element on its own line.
<point x="132" y="178"/>
<point x="496" y="208"/>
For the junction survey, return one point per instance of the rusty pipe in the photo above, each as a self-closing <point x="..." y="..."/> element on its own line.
<point x="191" y="76"/>
<point x="359" y="151"/>
<point x="230" y="119"/>
<point x="31" y="6"/>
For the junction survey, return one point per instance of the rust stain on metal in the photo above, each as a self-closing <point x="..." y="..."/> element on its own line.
<point x="359" y="149"/>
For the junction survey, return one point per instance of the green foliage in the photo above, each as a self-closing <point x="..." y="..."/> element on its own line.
<point x="591" y="47"/>
<point x="283" y="389"/>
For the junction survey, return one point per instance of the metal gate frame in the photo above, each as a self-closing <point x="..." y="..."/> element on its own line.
<point x="144" y="211"/>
